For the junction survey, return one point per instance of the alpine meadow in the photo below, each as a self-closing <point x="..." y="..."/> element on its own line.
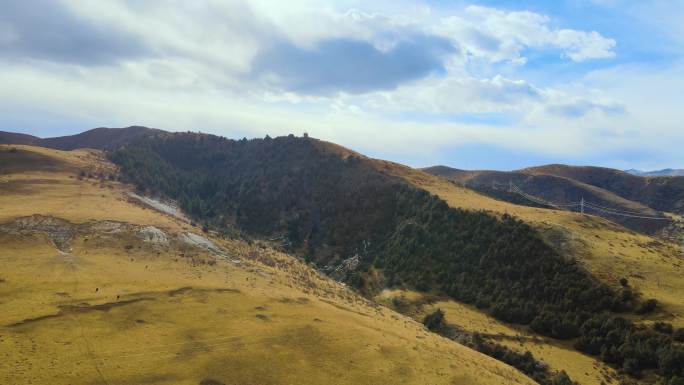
<point x="341" y="192"/>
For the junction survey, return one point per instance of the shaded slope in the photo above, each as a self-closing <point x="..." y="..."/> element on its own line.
<point x="17" y="138"/>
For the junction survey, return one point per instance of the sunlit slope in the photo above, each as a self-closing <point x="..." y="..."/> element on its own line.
<point x="74" y="185"/>
<point x="559" y="355"/>
<point x="98" y="290"/>
<point x="609" y="251"/>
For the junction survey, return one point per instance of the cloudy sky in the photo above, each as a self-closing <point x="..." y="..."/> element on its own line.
<point x="471" y="84"/>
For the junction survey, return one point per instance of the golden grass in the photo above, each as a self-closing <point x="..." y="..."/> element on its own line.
<point x="116" y="310"/>
<point x="62" y="194"/>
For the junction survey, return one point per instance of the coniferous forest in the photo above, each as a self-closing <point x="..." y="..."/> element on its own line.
<point x="328" y="207"/>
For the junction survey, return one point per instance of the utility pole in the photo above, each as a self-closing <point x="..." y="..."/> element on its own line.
<point x="582" y="205"/>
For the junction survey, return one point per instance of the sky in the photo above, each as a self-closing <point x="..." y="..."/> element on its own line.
<point x="488" y="84"/>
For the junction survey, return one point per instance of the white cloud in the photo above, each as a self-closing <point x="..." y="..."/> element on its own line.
<point x="457" y="95"/>
<point x="501" y="35"/>
<point x="581" y="46"/>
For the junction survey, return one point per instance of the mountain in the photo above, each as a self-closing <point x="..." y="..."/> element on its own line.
<point x="98" y="286"/>
<point x="659" y="193"/>
<point x="613" y="194"/>
<point x="17" y="138"/>
<point x="663" y="172"/>
<point x="379" y="226"/>
<point x="354" y="218"/>
<point x="98" y="138"/>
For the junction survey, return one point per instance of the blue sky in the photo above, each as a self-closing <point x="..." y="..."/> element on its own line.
<point x="470" y="84"/>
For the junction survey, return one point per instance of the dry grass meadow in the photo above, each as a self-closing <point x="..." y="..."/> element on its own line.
<point x="87" y="299"/>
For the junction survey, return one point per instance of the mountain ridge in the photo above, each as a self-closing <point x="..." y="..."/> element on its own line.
<point x="610" y="189"/>
<point x="100" y="138"/>
<point x="663" y="172"/>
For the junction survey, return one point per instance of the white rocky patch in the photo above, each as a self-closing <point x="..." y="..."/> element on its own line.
<point x="199" y="241"/>
<point x="153" y="235"/>
<point x="166" y="207"/>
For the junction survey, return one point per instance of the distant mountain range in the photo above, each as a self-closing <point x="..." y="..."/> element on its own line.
<point x="101" y="138"/>
<point x="663" y="172"/>
<point x="617" y="195"/>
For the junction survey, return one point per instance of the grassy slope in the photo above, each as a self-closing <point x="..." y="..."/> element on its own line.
<point x="268" y="320"/>
<point x="548" y="183"/>
<point x="609" y="251"/>
<point x="661" y="193"/>
<point x="559" y="355"/>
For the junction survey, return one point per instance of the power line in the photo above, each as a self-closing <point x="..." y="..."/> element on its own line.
<point x="616" y="210"/>
<point x="626" y="215"/>
<point x="513" y="188"/>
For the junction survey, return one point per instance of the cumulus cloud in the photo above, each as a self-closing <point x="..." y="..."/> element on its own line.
<point x="499" y="35"/>
<point x="350" y="65"/>
<point x="580" y="46"/>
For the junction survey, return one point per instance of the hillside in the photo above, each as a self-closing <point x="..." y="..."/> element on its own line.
<point x="607" y="250"/>
<point x="101" y="138"/>
<point x="378" y="225"/>
<point x="470" y="320"/>
<point x="16" y="138"/>
<point x="99" y="288"/>
<point x="610" y="252"/>
<point x="368" y="223"/>
<point x="605" y="190"/>
<point x="660" y="193"/>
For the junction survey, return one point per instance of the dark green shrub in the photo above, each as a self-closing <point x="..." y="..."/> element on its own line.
<point x="648" y="306"/>
<point x="435" y="320"/>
